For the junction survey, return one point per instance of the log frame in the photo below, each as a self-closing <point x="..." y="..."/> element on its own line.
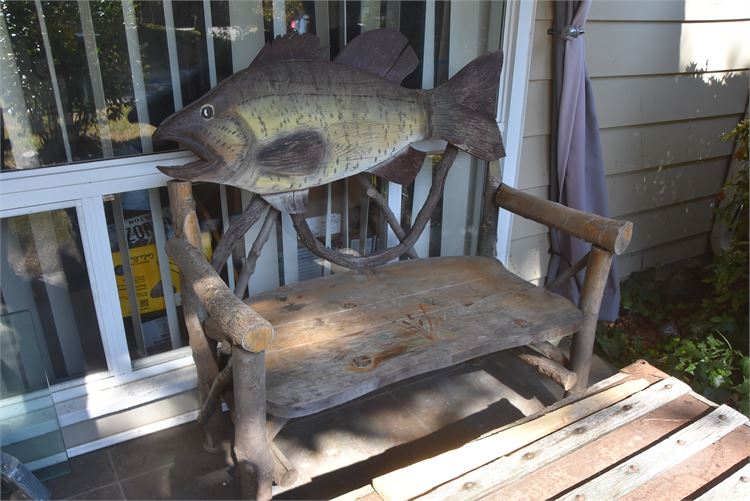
<point x="255" y="462"/>
<point x="610" y="234"/>
<point x="187" y="232"/>
<point x="239" y="323"/>
<point x="582" y="348"/>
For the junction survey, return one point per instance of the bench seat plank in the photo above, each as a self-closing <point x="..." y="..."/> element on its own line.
<point x="342" y="336"/>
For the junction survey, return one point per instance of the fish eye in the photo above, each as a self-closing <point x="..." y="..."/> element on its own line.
<point x="207" y="111"/>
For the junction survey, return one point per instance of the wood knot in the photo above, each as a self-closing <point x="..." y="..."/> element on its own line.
<point x="579" y="430"/>
<point x="349" y="306"/>
<point x="529" y="455"/>
<point x="521" y="322"/>
<point x="627" y="407"/>
<point x="362" y="361"/>
<point x="722" y="417"/>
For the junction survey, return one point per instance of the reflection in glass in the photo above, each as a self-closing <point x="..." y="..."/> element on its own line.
<point x="29" y="427"/>
<point x="44" y="271"/>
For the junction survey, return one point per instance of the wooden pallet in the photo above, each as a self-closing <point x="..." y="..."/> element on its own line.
<point x="637" y="435"/>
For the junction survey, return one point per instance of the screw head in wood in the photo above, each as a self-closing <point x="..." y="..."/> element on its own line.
<point x="744" y="479"/>
<point x="469" y="485"/>
<point x="632" y="468"/>
<point x="681" y="442"/>
<point x="627" y="407"/>
<point x="580" y="497"/>
<point x="579" y="430"/>
<point x="722" y="417"/>
<point x="529" y="455"/>
<point x="668" y="386"/>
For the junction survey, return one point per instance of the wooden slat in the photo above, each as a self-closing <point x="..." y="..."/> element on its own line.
<point x="420" y="477"/>
<point x="495" y="475"/>
<point x="736" y="486"/>
<point x="610" y="47"/>
<point x="700" y="10"/>
<point x="657" y="459"/>
<point x="662" y="98"/>
<point x="632" y="148"/>
<point x="675" y="222"/>
<point x="632" y="192"/>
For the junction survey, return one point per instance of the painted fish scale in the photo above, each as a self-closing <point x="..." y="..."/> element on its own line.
<point x="362" y="121"/>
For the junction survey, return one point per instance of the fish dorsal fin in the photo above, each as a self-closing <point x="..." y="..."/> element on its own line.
<point x="290" y="47"/>
<point x="385" y="52"/>
<point x="293" y="202"/>
<point x="402" y="168"/>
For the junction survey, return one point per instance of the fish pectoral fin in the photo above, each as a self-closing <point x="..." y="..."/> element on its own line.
<point x="384" y="52"/>
<point x="402" y="168"/>
<point x="300" y="153"/>
<point x="293" y="202"/>
<point x="291" y="47"/>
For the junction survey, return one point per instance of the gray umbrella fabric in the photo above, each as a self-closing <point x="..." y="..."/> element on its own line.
<point x="578" y="167"/>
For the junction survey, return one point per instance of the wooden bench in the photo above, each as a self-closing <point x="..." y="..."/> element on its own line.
<point x="315" y="344"/>
<point x="290" y="122"/>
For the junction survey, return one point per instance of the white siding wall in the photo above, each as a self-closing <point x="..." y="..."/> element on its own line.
<point x="669" y="77"/>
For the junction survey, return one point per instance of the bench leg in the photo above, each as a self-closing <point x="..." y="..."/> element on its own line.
<point x="254" y="461"/>
<point x="582" y="349"/>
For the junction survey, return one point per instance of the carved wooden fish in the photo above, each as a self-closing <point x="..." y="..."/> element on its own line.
<point x="292" y="121"/>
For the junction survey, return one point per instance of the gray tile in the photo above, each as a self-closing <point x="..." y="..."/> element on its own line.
<point x="87" y="472"/>
<point x="450" y="397"/>
<point x="181" y="445"/>
<point x="108" y="492"/>
<point x="177" y="482"/>
<point x="347" y="434"/>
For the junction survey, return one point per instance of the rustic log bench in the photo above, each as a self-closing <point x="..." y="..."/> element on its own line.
<point x="308" y="346"/>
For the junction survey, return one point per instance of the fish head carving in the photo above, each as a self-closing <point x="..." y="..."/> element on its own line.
<point x="211" y="129"/>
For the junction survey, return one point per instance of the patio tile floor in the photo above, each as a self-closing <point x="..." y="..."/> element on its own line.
<point x="335" y="451"/>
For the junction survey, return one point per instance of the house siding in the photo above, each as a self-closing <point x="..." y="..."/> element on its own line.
<point x="668" y="79"/>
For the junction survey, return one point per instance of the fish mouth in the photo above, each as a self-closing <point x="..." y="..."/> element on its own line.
<point x="208" y="159"/>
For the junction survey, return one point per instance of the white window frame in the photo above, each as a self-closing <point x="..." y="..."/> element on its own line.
<point x="82" y="185"/>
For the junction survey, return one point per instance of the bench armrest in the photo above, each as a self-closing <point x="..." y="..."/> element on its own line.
<point x="610" y="234"/>
<point x="242" y="325"/>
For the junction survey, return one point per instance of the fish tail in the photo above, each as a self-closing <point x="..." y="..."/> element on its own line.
<point x="464" y="108"/>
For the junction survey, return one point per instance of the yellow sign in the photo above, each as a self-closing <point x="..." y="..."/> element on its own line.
<point x="149" y="289"/>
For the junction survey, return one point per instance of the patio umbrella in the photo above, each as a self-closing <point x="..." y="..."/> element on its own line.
<point x="577" y="172"/>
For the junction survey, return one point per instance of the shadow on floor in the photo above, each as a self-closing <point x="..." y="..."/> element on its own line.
<point x="335" y="451"/>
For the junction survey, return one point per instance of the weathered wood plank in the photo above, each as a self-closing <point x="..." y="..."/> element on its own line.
<point x="731" y="487"/>
<point x="345" y="335"/>
<point x="420" y="477"/>
<point x="657" y="459"/>
<point x="495" y="475"/>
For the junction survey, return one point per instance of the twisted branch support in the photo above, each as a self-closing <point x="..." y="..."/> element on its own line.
<point x="252" y="257"/>
<point x="384" y="256"/>
<point x="237" y="229"/>
<point x="390" y="217"/>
